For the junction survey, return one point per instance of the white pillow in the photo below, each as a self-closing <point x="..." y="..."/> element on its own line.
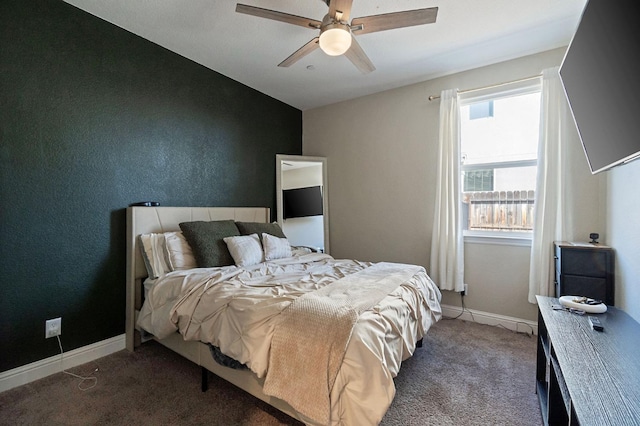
<point x="275" y="247"/>
<point x="179" y="252"/>
<point x="153" y="254"/>
<point x="245" y="249"/>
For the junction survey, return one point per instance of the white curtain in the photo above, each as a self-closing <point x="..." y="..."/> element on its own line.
<point x="553" y="211"/>
<point x="447" y="250"/>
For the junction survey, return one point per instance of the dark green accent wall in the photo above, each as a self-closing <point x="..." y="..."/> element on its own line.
<point x="93" y="118"/>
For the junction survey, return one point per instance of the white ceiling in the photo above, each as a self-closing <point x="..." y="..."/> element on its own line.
<point x="466" y="35"/>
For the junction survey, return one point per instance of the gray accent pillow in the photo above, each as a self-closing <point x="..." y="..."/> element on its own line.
<point x="248" y="228"/>
<point x="206" y="241"/>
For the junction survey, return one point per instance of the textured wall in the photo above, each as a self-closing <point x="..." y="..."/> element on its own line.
<point x="93" y="118"/>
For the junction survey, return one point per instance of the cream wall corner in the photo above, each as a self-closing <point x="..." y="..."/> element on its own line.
<point x="623" y="233"/>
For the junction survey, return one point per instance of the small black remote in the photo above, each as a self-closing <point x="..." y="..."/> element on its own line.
<point x="595" y="323"/>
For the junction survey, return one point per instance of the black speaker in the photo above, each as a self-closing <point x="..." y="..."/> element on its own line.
<point x="145" y="204"/>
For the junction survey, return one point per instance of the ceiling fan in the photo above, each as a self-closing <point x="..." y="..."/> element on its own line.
<point x="337" y="35"/>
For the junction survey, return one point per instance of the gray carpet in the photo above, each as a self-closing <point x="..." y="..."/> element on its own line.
<point x="465" y="374"/>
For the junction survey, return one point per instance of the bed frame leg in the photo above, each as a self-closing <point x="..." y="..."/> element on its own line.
<point x="204" y="384"/>
<point x="419" y="344"/>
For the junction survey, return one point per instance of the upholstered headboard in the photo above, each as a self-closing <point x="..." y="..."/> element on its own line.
<point x="143" y="220"/>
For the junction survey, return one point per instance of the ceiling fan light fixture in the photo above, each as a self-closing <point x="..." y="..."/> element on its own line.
<point x="335" y="39"/>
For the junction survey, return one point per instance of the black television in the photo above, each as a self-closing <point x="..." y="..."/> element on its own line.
<point x="302" y="202"/>
<point x="601" y="77"/>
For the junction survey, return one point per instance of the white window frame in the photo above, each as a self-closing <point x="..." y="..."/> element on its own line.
<point x="524" y="87"/>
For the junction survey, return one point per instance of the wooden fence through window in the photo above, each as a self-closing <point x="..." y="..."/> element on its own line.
<point x="499" y="210"/>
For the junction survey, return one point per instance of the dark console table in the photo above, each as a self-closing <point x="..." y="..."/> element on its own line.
<point x="583" y="376"/>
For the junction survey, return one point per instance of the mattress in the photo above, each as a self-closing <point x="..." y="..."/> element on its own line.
<point x="239" y="309"/>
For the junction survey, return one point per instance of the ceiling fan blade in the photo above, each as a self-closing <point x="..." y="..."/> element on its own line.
<point x="300" y="53"/>
<point x="359" y="58"/>
<point x="343" y="6"/>
<point x="388" y="21"/>
<point x="278" y="16"/>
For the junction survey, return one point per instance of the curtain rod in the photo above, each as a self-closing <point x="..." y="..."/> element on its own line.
<point x="433" y="97"/>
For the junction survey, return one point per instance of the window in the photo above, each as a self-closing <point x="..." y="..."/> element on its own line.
<point x="499" y="147"/>
<point x="481" y="110"/>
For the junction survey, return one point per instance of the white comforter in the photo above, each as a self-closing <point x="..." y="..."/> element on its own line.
<point x="237" y="309"/>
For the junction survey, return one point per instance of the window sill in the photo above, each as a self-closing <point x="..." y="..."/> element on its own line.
<point x="512" y="239"/>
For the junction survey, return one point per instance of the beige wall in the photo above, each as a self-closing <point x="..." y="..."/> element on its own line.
<point x="381" y="153"/>
<point x="623" y="230"/>
<point x="302" y="177"/>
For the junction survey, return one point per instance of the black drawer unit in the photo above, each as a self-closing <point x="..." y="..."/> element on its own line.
<point x="583" y="269"/>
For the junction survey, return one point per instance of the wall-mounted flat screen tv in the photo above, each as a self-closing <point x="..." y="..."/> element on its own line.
<point x="302" y="202"/>
<point x="601" y="77"/>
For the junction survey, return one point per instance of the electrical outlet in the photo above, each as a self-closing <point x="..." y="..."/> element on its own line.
<point x="53" y="328"/>
<point x="465" y="292"/>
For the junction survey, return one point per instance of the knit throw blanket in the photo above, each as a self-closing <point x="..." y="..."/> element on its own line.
<point x="311" y="339"/>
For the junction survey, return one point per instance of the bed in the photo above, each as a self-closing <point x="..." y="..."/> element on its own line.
<point x="318" y="338"/>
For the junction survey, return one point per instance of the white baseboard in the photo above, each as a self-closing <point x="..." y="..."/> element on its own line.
<point x="511" y="323"/>
<point x="40" y="369"/>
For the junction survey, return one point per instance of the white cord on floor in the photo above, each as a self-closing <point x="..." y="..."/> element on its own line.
<point x="83" y="379"/>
